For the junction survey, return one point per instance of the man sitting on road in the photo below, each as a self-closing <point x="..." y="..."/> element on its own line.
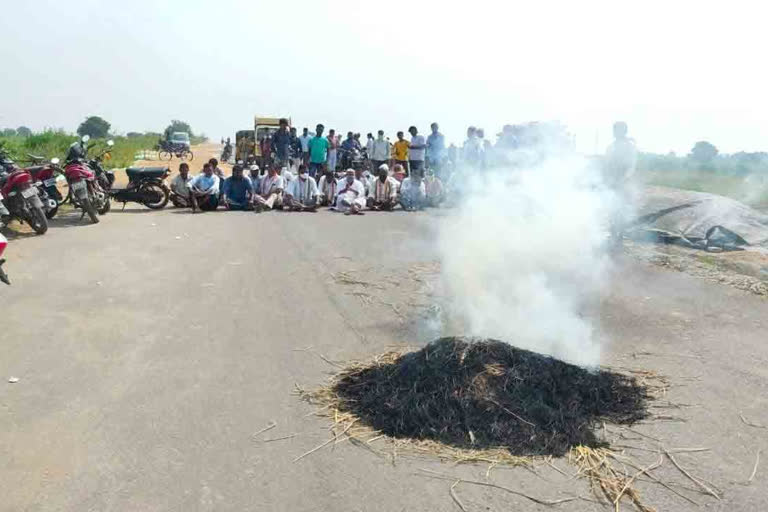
<point x="180" y="194"/>
<point x="328" y="187"/>
<point x="204" y="190"/>
<point x="434" y="189"/>
<point x="383" y="192"/>
<point x="301" y="193"/>
<point x="413" y="194"/>
<point x="351" y="196"/>
<point x="238" y="190"/>
<point x="270" y="191"/>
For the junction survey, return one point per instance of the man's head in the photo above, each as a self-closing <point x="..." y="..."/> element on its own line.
<point x="380" y="133"/>
<point x="227" y="140"/>
<point x="471" y="131"/>
<point x="214" y="163"/>
<point x="350" y="135"/>
<point x="305" y="131"/>
<point x="370" y="136"/>
<point x="207" y="169"/>
<point x="398" y="169"/>
<point x="357" y="136"/>
<point x="293" y="130"/>
<point x="434" y="128"/>
<point x="302" y="172"/>
<point x="480" y="133"/>
<point x="184" y="169"/>
<point x="319" y="130"/>
<point x="400" y="135"/>
<point x="620" y="129"/>
<point x="274" y="169"/>
<point x="283" y="124"/>
<point x="383" y="172"/>
<point x="331" y="133"/>
<point x="413" y="131"/>
<point x="237" y="172"/>
<point x="350" y="175"/>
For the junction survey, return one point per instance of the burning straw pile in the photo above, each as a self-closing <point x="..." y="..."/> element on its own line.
<point x="486" y="395"/>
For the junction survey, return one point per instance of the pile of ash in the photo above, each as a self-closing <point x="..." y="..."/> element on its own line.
<point x="487" y="394"/>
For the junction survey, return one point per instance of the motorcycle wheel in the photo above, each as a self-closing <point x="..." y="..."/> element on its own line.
<point x="49" y="214"/>
<point x="105" y="207"/>
<point x="165" y="155"/>
<point x="87" y="205"/>
<point x="37" y="220"/>
<point x="155" y="194"/>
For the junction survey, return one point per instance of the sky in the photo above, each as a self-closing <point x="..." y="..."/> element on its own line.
<point x="676" y="71"/>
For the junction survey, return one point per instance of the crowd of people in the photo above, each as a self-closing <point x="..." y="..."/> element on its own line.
<point x="303" y="173"/>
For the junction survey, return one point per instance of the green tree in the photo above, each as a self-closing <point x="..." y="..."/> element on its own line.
<point x="8" y="132"/>
<point x="178" y="126"/>
<point x="23" y="131"/>
<point x="95" y="127"/>
<point x="703" y="152"/>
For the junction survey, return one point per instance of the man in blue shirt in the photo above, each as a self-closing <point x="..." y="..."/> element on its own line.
<point x="281" y="144"/>
<point x="435" y="149"/>
<point x="204" y="190"/>
<point x="238" y="190"/>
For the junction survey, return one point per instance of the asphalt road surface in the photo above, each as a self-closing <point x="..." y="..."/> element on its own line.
<point x="151" y="347"/>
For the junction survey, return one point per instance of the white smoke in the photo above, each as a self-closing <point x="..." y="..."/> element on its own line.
<point x="524" y="255"/>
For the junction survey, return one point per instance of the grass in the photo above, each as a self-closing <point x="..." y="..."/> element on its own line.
<point x="54" y="144"/>
<point x="751" y="189"/>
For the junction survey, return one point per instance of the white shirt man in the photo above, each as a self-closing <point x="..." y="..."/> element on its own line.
<point x="328" y="186"/>
<point x="180" y="190"/>
<point x="382" y="194"/>
<point x="270" y="192"/>
<point x="351" y="195"/>
<point x="301" y="194"/>
<point x="381" y="150"/>
<point x="413" y="193"/>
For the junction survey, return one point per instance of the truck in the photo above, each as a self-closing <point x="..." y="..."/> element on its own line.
<point x="247" y="142"/>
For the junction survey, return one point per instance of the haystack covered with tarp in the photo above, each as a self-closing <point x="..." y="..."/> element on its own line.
<point x="698" y="219"/>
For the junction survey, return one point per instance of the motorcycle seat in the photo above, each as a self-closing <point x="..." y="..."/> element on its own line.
<point x="34" y="169"/>
<point x="138" y="173"/>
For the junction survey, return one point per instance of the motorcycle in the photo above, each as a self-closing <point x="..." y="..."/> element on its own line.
<point x="3" y="245"/>
<point x="22" y="201"/>
<point x="353" y="158"/>
<point x="85" y="190"/>
<point x="45" y="177"/>
<point x="226" y="153"/>
<point x="167" y="150"/>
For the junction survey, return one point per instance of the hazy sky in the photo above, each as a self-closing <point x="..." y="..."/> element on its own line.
<point x="677" y="71"/>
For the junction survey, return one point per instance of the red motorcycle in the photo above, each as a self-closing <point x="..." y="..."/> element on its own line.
<point x="85" y="191"/>
<point x="21" y="199"/>
<point x="45" y="176"/>
<point x="3" y="245"/>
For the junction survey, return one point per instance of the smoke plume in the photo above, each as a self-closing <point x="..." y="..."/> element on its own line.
<point x="524" y="255"/>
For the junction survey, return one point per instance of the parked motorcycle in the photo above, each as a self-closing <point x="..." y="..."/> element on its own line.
<point x="45" y="176"/>
<point x="3" y="245"/>
<point x="21" y="200"/>
<point x="167" y="150"/>
<point x="85" y="190"/>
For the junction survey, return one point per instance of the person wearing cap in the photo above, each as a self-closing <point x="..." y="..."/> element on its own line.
<point x="416" y="152"/>
<point x="382" y="194"/>
<point x="351" y="195"/>
<point x="380" y="151"/>
<point x="301" y="194"/>
<point x="328" y="186"/>
<point x="238" y="190"/>
<point x="413" y="194"/>
<point x="270" y="193"/>
<point x="180" y="194"/>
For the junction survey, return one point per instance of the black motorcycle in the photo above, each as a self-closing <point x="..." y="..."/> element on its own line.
<point x="146" y="185"/>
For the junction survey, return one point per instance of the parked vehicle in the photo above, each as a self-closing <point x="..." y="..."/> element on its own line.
<point x="85" y="190"/>
<point x="21" y="200"/>
<point x="3" y="245"/>
<point x="45" y="176"/>
<point x="146" y="185"/>
<point x="168" y="149"/>
<point x="226" y="153"/>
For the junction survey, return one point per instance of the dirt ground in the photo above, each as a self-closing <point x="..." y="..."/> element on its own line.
<point x="151" y="348"/>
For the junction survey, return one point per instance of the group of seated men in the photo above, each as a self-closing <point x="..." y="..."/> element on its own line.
<point x="350" y="193"/>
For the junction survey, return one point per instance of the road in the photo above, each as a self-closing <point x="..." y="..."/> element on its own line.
<point x="151" y="347"/>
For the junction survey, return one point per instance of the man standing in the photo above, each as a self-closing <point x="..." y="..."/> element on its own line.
<point x="413" y="194"/>
<point x="416" y="152"/>
<point x="619" y="167"/>
<point x="301" y="194"/>
<point x="435" y="149"/>
<point x="380" y="151"/>
<point x="318" y="151"/>
<point x="333" y="146"/>
<point x="400" y="150"/>
<point x="270" y="194"/>
<point x="369" y="148"/>
<point x="238" y="190"/>
<point x="382" y="194"/>
<point x="472" y="152"/>
<point x="296" y="150"/>
<point x="281" y="144"/>
<point x="180" y="193"/>
<point x="351" y="196"/>
<point x="266" y="151"/>
<point x="304" y="140"/>
<point x="204" y="190"/>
